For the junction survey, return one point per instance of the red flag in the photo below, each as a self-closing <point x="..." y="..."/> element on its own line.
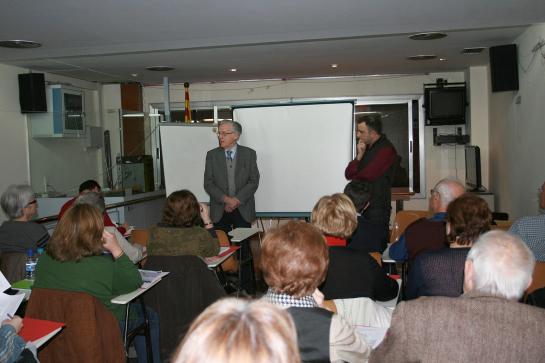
<point x="187" y="113"/>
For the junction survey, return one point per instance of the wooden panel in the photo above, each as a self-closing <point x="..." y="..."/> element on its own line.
<point x="131" y="97"/>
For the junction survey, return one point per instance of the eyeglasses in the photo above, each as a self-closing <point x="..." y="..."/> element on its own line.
<point x="33" y="202"/>
<point x="225" y="133"/>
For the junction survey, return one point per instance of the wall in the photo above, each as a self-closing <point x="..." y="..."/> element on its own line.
<point x="22" y="160"/>
<point x="517" y="132"/>
<point x="13" y="134"/>
<point x="111" y="106"/>
<point x="65" y="162"/>
<point x="441" y="161"/>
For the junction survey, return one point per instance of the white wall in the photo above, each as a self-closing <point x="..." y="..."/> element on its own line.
<point x="13" y="132"/>
<point x="111" y="106"/>
<point x="517" y="130"/>
<point x="441" y="161"/>
<point x="22" y="160"/>
<point x="65" y="162"/>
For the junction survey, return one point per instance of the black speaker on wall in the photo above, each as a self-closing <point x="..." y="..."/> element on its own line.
<point x="504" y="68"/>
<point x="32" y="92"/>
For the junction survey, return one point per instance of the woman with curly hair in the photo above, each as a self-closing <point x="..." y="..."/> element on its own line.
<point x="441" y="272"/>
<point x="185" y="229"/>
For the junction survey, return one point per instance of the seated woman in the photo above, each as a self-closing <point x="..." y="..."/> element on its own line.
<point x="236" y="330"/>
<point x="19" y="233"/>
<point x="441" y="272"/>
<point x="134" y="252"/>
<point x="335" y="216"/>
<point x="74" y="262"/>
<point x="186" y="228"/>
<point x="351" y="273"/>
<point x="294" y="260"/>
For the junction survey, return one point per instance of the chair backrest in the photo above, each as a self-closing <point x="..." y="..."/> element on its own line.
<point x="181" y="296"/>
<point x="12" y="265"/>
<point x="91" y="334"/>
<point x="403" y="219"/>
<point x="141" y="237"/>
<point x="231" y="264"/>
<point x="538" y="278"/>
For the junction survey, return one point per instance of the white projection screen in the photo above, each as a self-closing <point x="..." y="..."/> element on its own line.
<point x="302" y="151"/>
<point x="184" y="148"/>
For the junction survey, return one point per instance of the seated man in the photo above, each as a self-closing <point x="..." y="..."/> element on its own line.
<point x="92" y="186"/>
<point x="485" y="324"/>
<point x="422" y="235"/>
<point x="531" y="229"/>
<point x="368" y="236"/>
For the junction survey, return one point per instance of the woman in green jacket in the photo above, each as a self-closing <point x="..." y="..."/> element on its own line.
<point x="81" y="256"/>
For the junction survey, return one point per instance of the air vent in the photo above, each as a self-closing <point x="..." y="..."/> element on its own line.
<point x="427" y="36"/>
<point x="160" y="68"/>
<point x="474" y="50"/>
<point x="422" y="57"/>
<point x="19" y="44"/>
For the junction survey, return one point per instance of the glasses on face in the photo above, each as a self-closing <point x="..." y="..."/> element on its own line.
<point x="225" y="133"/>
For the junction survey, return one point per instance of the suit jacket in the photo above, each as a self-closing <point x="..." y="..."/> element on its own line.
<point x="472" y="328"/>
<point x="246" y="181"/>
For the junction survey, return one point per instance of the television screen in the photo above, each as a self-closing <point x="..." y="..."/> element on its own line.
<point x="445" y="106"/>
<point x="473" y="168"/>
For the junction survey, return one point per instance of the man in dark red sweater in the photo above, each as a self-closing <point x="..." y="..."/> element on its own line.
<point x="374" y="164"/>
<point x="92" y="186"/>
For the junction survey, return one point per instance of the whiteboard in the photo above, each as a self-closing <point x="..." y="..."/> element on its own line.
<point x="184" y="148"/>
<point x="302" y="151"/>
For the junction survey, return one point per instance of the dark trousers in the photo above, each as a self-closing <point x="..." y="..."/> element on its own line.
<point x="227" y="223"/>
<point x="230" y="221"/>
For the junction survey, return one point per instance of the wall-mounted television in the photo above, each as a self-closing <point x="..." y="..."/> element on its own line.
<point x="445" y="105"/>
<point x="473" y="168"/>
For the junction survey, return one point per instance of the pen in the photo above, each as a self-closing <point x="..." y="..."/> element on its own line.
<point x="10" y="316"/>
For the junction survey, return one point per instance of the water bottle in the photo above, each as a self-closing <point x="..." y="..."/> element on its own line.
<point x="30" y="265"/>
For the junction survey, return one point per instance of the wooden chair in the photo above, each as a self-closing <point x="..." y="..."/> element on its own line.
<point x="91" y="333"/>
<point x="141" y="237"/>
<point x="403" y="219"/>
<point x="502" y="225"/>
<point x="538" y="278"/>
<point x="231" y="264"/>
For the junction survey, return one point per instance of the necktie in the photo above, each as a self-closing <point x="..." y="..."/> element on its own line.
<point x="230" y="155"/>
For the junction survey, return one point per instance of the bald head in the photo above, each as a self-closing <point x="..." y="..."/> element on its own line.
<point x="444" y="192"/>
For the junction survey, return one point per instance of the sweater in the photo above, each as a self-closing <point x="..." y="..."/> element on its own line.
<point x="18" y="236"/>
<point x="176" y="241"/>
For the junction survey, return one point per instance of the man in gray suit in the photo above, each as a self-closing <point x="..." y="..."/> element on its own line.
<point x="485" y="324"/>
<point x="231" y="179"/>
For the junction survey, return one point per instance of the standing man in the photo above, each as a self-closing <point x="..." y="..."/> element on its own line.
<point x="231" y="179"/>
<point x="374" y="164"/>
